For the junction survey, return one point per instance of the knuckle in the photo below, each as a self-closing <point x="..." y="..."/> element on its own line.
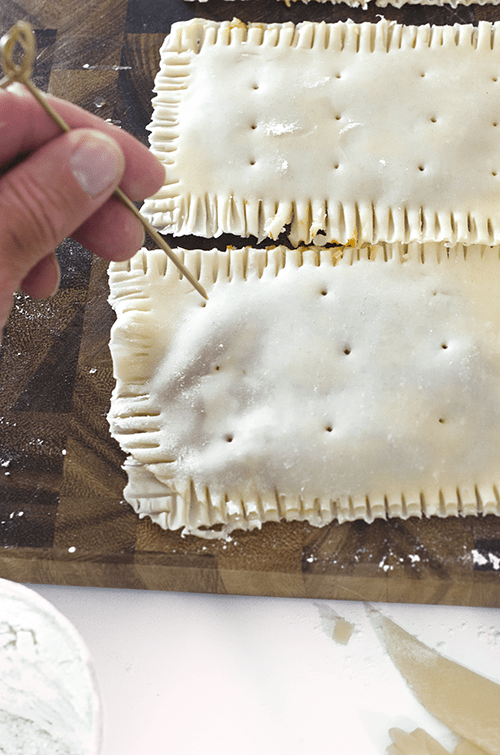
<point x="31" y="216"/>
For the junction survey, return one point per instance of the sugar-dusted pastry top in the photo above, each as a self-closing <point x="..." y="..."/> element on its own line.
<point x="332" y="132"/>
<point x="313" y="385"/>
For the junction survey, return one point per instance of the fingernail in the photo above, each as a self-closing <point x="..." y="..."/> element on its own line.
<point x="17" y="88"/>
<point x="96" y="161"/>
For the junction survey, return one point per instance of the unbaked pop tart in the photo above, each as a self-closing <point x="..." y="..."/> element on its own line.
<point x="329" y="133"/>
<point x="315" y="385"/>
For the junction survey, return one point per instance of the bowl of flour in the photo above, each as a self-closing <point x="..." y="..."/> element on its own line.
<point x="49" y="702"/>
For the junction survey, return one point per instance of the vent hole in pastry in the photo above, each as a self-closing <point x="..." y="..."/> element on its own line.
<point x="494" y="78"/>
<point x="252" y="162"/>
<point x="493" y="172"/>
<point x="338" y="75"/>
<point x="217" y="367"/>
<point x="421" y="167"/>
<point x="433" y="119"/>
<point x="255" y="86"/>
<point x="329" y="428"/>
<point x="495" y="124"/>
<point x="253" y="126"/>
<point x="338" y="117"/>
<point x="229" y="438"/>
<point x="422" y="75"/>
<point x="323" y="292"/>
<point x="347" y="350"/>
<point x="441" y="419"/>
<point x="336" y="166"/>
<point x="444" y="345"/>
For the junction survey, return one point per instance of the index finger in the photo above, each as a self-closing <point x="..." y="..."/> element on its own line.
<point x="25" y="127"/>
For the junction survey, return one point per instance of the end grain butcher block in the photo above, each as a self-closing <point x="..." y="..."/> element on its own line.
<point x="62" y="515"/>
<point x="63" y="519"/>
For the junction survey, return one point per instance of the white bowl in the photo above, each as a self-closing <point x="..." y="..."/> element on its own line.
<point x="48" y="694"/>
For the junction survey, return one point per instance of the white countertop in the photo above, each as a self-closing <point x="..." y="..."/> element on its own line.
<point x="190" y="673"/>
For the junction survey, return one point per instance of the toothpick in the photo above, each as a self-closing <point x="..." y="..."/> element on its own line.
<point x="22" y="34"/>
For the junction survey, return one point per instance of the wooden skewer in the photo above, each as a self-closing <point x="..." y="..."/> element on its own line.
<point x="22" y="34"/>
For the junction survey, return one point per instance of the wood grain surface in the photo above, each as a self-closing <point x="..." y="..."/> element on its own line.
<point x="62" y="516"/>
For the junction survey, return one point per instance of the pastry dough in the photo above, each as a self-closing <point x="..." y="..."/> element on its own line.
<point x="396" y="3"/>
<point x="329" y="132"/>
<point x="313" y="385"/>
<point x="466" y="702"/>
<point x="450" y="3"/>
<point x="419" y="742"/>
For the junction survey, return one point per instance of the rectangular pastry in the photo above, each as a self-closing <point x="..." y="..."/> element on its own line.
<point x="344" y="133"/>
<point x="314" y="385"/>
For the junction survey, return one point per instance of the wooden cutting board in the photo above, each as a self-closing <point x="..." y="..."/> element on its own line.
<point x="62" y="516"/>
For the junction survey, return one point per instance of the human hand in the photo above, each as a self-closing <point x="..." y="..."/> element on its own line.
<point x="63" y="187"/>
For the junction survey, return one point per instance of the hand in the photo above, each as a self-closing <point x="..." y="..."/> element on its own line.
<point x="55" y="185"/>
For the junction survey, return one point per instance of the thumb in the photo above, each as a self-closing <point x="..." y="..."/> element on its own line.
<point x="47" y="197"/>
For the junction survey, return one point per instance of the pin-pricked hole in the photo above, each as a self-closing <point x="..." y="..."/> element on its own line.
<point x="229" y="438"/>
<point x="444" y="345"/>
<point x="323" y="292"/>
<point x="252" y="162"/>
<point x="421" y="168"/>
<point x="253" y="126"/>
<point x="442" y="420"/>
<point x="433" y="119"/>
<point x="329" y="428"/>
<point x="347" y="350"/>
